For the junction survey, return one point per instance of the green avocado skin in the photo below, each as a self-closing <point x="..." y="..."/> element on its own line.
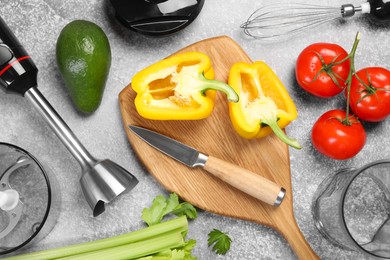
<point x="83" y="56"/>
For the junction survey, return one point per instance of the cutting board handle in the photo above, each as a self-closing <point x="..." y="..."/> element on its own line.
<point x="251" y="183"/>
<point x="288" y="227"/>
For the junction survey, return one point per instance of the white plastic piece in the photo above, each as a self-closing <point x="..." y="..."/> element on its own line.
<point x="174" y="5"/>
<point x="366" y="8"/>
<point x="9" y="199"/>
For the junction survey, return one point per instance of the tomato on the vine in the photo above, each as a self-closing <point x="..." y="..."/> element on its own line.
<point x="318" y="72"/>
<point x="370" y="96"/>
<point x="335" y="138"/>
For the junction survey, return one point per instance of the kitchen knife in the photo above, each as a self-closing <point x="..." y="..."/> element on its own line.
<point x="251" y="183"/>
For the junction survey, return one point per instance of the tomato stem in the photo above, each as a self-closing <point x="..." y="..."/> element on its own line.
<point x="328" y="69"/>
<point x="350" y="56"/>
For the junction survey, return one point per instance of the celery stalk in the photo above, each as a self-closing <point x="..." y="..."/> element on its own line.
<point x="179" y="224"/>
<point x="174" y="254"/>
<point x="134" y="250"/>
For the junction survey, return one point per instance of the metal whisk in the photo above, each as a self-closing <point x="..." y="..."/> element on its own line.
<point x="279" y="20"/>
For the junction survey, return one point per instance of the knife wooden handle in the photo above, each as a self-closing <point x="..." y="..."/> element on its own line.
<point x="251" y="183"/>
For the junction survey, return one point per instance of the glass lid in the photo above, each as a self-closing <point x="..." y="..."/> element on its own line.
<point x="25" y="197"/>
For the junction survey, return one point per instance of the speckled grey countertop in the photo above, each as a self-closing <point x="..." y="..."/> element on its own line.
<point x="38" y="23"/>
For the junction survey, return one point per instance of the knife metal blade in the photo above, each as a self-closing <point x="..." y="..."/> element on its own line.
<point x="251" y="183"/>
<point x="174" y="149"/>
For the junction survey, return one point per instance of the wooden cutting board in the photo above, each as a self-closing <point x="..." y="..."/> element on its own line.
<point x="215" y="136"/>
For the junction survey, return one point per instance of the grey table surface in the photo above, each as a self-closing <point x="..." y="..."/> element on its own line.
<point x="38" y="23"/>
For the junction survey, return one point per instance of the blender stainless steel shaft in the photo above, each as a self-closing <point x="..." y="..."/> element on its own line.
<point x="60" y="128"/>
<point x="101" y="180"/>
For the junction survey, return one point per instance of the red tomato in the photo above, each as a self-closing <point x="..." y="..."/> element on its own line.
<point x="336" y="140"/>
<point x="314" y="71"/>
<point x="371" y="101"/>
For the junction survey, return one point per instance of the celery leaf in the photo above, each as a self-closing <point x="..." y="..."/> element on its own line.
<point x="162" y="206"/>
<point x="187" y="248"/>
<point x="154" y="214"/>
<point x="186" y="209"/>
<point x="172" y="203"/>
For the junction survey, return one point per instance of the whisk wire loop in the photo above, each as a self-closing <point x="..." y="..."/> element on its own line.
<point x="281" y="20"/>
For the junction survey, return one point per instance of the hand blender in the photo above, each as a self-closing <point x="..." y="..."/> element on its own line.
<point x="101" y="180"/>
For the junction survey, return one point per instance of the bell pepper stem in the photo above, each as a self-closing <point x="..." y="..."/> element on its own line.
<point x="208" y="84"/>
<point x="272" y="123"/>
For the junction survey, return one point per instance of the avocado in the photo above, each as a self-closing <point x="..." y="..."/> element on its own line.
<point x="83" y="56"/>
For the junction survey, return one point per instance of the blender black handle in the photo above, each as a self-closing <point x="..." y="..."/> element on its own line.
<point x="18" y="72"/>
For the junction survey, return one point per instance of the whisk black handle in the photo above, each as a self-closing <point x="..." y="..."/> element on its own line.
<point x="380" y="10"/>
<point x="18" y="72"/>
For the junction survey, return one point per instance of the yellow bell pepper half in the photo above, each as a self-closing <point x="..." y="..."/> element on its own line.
<point x="180" y="87"/>
<point x="264" y="104"/>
